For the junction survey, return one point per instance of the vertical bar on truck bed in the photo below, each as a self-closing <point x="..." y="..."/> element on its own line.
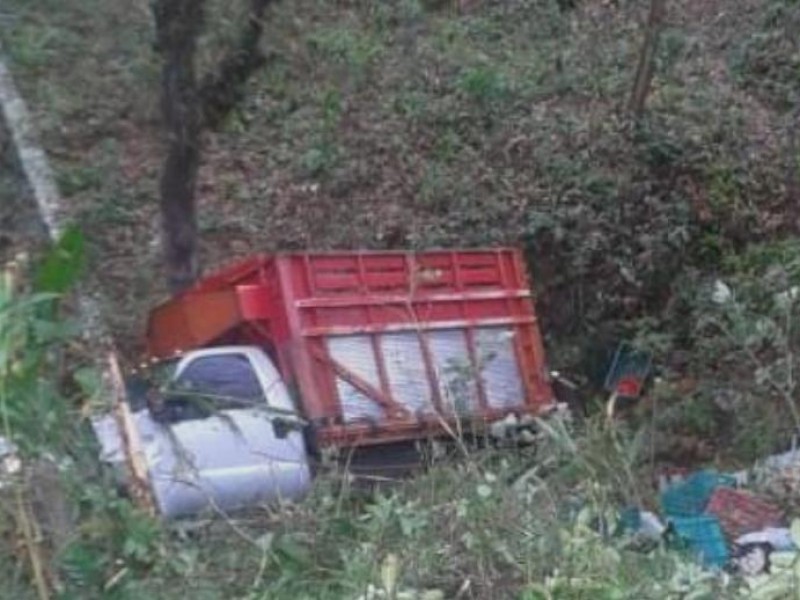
<point x="516" y="330"/>
<point x="312" y="287"/>
<point x="531" y="341"/>
<point x="362" y="274"/>
<point x="469" y="333"/>
<point x="410" y="275"/>
<point x="475" y="362"/>
<point x="427" y="356"/>
<point x="430" y="370"/>
<point x="377" y="354"/>
<point x="299" y="347"/>
<point x="456" y="273"/>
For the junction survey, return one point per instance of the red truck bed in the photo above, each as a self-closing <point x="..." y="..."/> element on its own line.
<point x="379" y="346"/>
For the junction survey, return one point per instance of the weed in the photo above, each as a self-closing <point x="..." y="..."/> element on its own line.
<point x="767" y="61"/>
<point x="671" y="50"/>
<point x="320" y="159"/>
<point x="448" y="146"/>
<point x="485" y="84"/>
<point x="331" y="105"/>
<point x="76" y="179"/>
<point x="355" y="49"/>
<point x="409" y="104"/>
<point x="432" y="189"/>
<point x="724" y="191"/>
<point x="324" y="153"/>
<point x="31" y="46"/>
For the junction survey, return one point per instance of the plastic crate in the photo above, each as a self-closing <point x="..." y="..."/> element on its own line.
<point x="690" y="497"/>
<point x="741" y="512"/>
<point x="703" y="536"/>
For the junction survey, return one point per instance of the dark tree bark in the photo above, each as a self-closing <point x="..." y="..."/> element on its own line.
<point x="188" y="109"/>
<point x="178" y="25"/>
<point x="647" y="58"/>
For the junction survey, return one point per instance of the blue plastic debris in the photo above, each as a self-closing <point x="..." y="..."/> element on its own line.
<point x="690" y="497"/>
<point x="703" y="536"/>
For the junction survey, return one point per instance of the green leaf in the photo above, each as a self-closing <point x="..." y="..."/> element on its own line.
<point x="291" y="550"/>
<point x="63" y="264"/>
<point x="89" y="380"/>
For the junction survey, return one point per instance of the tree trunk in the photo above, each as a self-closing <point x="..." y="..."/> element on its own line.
<point x="188" y="108"/>
<point x="647" y="58"/>
<point x="178" y="24"/>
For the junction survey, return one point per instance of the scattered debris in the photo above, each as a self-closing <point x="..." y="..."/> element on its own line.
<point x="690" y="497"/>
<point x="626" y="377"/>
<point x="752" y="559"/>
<point x="645" y="527"/>
<point x="702" y="535"/>
<point x="741" y="512"/>
<point x="724" y="525"/>
<point x="777" y="580"/>
<point x="721" y="294"/>
<point x="629" y="371"/>
<point x="779" y="475"/>
<point x="779" y="538"/>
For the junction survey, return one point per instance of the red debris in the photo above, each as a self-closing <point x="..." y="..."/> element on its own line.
<point x="629" y="387"/>
<point x="741" y="512"/>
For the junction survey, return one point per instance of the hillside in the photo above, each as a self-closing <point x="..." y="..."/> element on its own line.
<point x="424" y="123"/>
<point x="379" y="126"/>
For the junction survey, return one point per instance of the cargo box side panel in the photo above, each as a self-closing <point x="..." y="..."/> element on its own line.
<point x="408" y="383"/>
<point x="499" y="370"/>
<point x="356" y="353"/>
<point x="457" y="385"/>
<point x="310" y="375"/>
<point x="402" y="341"/>
<point x="191" y="321"/>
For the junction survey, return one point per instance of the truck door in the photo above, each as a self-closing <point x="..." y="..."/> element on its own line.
<point x="231" y="447"/>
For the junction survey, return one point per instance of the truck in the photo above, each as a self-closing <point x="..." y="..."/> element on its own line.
<point x="267" y="363"/>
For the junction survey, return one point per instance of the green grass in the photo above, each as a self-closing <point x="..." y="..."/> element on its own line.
<point x="498" y="525"/>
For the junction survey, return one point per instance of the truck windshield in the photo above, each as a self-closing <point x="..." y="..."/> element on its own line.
<point x="213" y="383"/>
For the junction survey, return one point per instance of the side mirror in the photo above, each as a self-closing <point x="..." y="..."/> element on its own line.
<point x="157" y="407"/>
<point x="281" y="427"/>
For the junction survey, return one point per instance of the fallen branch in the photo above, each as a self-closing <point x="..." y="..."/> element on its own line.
<point x="135" y="458"/>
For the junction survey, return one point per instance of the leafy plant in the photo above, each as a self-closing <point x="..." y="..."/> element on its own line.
<point x="485" y="84"/>
<point x="355" y="49"/>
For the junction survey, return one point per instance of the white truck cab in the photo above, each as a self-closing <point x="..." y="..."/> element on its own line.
<point x="222" y="433"/>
